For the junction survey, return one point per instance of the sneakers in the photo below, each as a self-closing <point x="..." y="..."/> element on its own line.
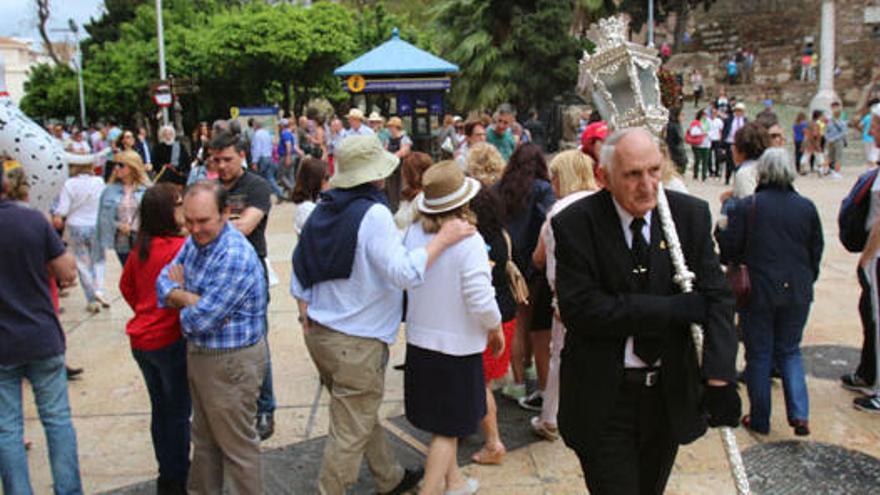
<point x="869" y="404"/>
<point x="854" y="382"/>
<point x="533" y="402"/>
<point x="514" y="391"/>
<point x="93" y="308"/>
<point x="544" y="429"/>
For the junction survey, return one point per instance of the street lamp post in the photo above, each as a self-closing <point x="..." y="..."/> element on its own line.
<point x="77" y="61"/>
<point x="79" y="73"/>
<point x="651" y="23"/>
<point x="160" y="35"/>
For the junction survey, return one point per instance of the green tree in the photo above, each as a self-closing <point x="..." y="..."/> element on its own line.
<point x="520" y="51"/>
<point x="50" y="92"/>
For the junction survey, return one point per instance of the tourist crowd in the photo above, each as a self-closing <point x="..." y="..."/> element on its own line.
<point x="495" y="261"/>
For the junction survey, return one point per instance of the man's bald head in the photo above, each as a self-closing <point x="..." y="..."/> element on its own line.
<point x="632" y="165"/>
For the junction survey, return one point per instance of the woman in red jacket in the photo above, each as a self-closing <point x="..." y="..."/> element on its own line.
<point x="156" y="341"/>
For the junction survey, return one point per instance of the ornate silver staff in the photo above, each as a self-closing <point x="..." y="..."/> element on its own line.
<point x="685" y="280"/>
<point x="621" y="79"/>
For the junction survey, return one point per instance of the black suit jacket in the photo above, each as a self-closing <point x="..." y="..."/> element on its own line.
<point x="601" y="307"/>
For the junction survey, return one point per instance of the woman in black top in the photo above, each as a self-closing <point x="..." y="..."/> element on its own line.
<point x="526" y="195"/>
<point x="485" y="164"/>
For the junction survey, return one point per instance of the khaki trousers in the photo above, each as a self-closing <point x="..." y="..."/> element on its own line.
<point x="226" y="447"/>
<point x="353" y="370"/>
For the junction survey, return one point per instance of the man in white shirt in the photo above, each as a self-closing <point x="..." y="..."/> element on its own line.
<point x="350" y="267"/>
<point x="356" y="125"/>
<point x="716" y="126"/>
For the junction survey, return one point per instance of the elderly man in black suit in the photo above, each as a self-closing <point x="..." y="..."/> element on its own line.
<point x="632" y="390"/>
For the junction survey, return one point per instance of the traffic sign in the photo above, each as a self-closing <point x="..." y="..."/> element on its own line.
<point x="162" y="95"/>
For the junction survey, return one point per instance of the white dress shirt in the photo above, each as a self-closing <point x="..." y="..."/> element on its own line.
<point x="630" y="360"/>
<point x="369" y="303"/>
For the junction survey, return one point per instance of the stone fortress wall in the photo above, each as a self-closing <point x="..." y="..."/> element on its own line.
<point x="776" y="30"/>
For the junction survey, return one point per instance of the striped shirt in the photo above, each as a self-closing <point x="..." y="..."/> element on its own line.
<point x="228" y="277"/>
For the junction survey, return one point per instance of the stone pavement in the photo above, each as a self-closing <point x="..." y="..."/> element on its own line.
<point x="111" y="408"/>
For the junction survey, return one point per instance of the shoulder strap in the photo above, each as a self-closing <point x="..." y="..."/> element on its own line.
<point x="508" y="242"/>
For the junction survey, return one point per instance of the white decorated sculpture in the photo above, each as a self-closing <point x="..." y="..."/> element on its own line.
<point x="42" y="157"/>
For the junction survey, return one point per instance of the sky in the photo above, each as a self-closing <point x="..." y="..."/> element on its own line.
<point x="19" y="17"/>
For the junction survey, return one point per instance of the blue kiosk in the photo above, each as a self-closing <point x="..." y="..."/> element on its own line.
<point x="400" y="79"/>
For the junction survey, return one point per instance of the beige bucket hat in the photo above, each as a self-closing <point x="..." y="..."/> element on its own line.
<point x="361" y="159"/>
<point x="445" y="188"/>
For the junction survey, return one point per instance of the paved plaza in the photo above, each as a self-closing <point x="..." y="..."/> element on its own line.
<point x="111" y="408"/>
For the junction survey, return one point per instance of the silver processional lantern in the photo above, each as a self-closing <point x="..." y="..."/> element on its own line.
<point x="621" y="79"/>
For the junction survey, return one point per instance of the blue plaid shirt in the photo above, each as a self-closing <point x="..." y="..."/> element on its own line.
<point x="228" y="276"/>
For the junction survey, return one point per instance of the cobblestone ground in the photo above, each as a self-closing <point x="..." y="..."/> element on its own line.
<point x="111" y="409"/>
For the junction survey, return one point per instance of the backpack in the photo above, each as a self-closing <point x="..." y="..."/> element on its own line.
<point x="690" y="138"/>
<point x="854" y="212"/>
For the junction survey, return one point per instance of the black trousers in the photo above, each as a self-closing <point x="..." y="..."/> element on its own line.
<point x="868" y="363"/>
<point x="636" y="450"/>
<point x="730" y="166"/>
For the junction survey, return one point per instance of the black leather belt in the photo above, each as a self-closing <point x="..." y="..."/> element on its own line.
<point x="645" y="377"/>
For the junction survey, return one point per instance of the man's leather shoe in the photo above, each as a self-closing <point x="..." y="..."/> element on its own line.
<point x="265" y="425"/>
<point x="411" y="478"/>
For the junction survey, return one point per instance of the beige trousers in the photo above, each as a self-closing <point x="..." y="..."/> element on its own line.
<point x="226" y="447"/>
<point x="353" y="370"/>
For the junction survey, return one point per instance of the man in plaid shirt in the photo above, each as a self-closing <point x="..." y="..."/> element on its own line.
<point x="217" y="281"/>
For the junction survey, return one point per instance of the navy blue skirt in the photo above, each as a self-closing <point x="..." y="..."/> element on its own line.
<point x="444" y="395"/>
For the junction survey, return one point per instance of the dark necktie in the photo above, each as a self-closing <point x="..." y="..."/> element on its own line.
<point x="646" y="348"/>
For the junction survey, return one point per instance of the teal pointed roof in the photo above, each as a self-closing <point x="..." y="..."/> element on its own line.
<point x="395" y="57"/>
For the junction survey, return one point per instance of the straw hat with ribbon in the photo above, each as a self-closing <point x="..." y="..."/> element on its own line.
<point x="445" y="188"/>
<point x="361" y="159"/>
<point x="355" y="113"/>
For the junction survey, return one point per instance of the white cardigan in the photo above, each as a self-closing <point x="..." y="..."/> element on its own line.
<point x="454" y="308"/>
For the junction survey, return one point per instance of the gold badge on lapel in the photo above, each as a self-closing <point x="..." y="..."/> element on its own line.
<point x="662" y="244"/>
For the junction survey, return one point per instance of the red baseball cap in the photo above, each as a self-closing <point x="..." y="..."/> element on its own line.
<point x="597" y="131"/>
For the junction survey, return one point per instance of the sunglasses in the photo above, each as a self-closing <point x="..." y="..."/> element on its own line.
<point x="119" y="165"/>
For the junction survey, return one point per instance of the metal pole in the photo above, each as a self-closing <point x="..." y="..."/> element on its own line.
<point x="651" y="23"/>
<point x="79" y="74"/>
<point x="77" y="59"/>
<point x="160" y="34"/>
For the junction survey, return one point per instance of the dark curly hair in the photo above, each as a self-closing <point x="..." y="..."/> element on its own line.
<point x="490" y="213"/>
<point x="525" y="166"/>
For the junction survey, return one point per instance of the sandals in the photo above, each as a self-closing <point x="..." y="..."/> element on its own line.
<point x="488" y="457"/>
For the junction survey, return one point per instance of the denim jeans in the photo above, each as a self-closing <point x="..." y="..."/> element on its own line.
<point x="89" y="260"/>
<point x="48" y="379"/>
<point x="268" y="169"/>
<point x="164" y="372"/>
<point x="773" y="336"/>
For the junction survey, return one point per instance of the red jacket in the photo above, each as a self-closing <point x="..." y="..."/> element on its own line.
<point x="150" y="328"/>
